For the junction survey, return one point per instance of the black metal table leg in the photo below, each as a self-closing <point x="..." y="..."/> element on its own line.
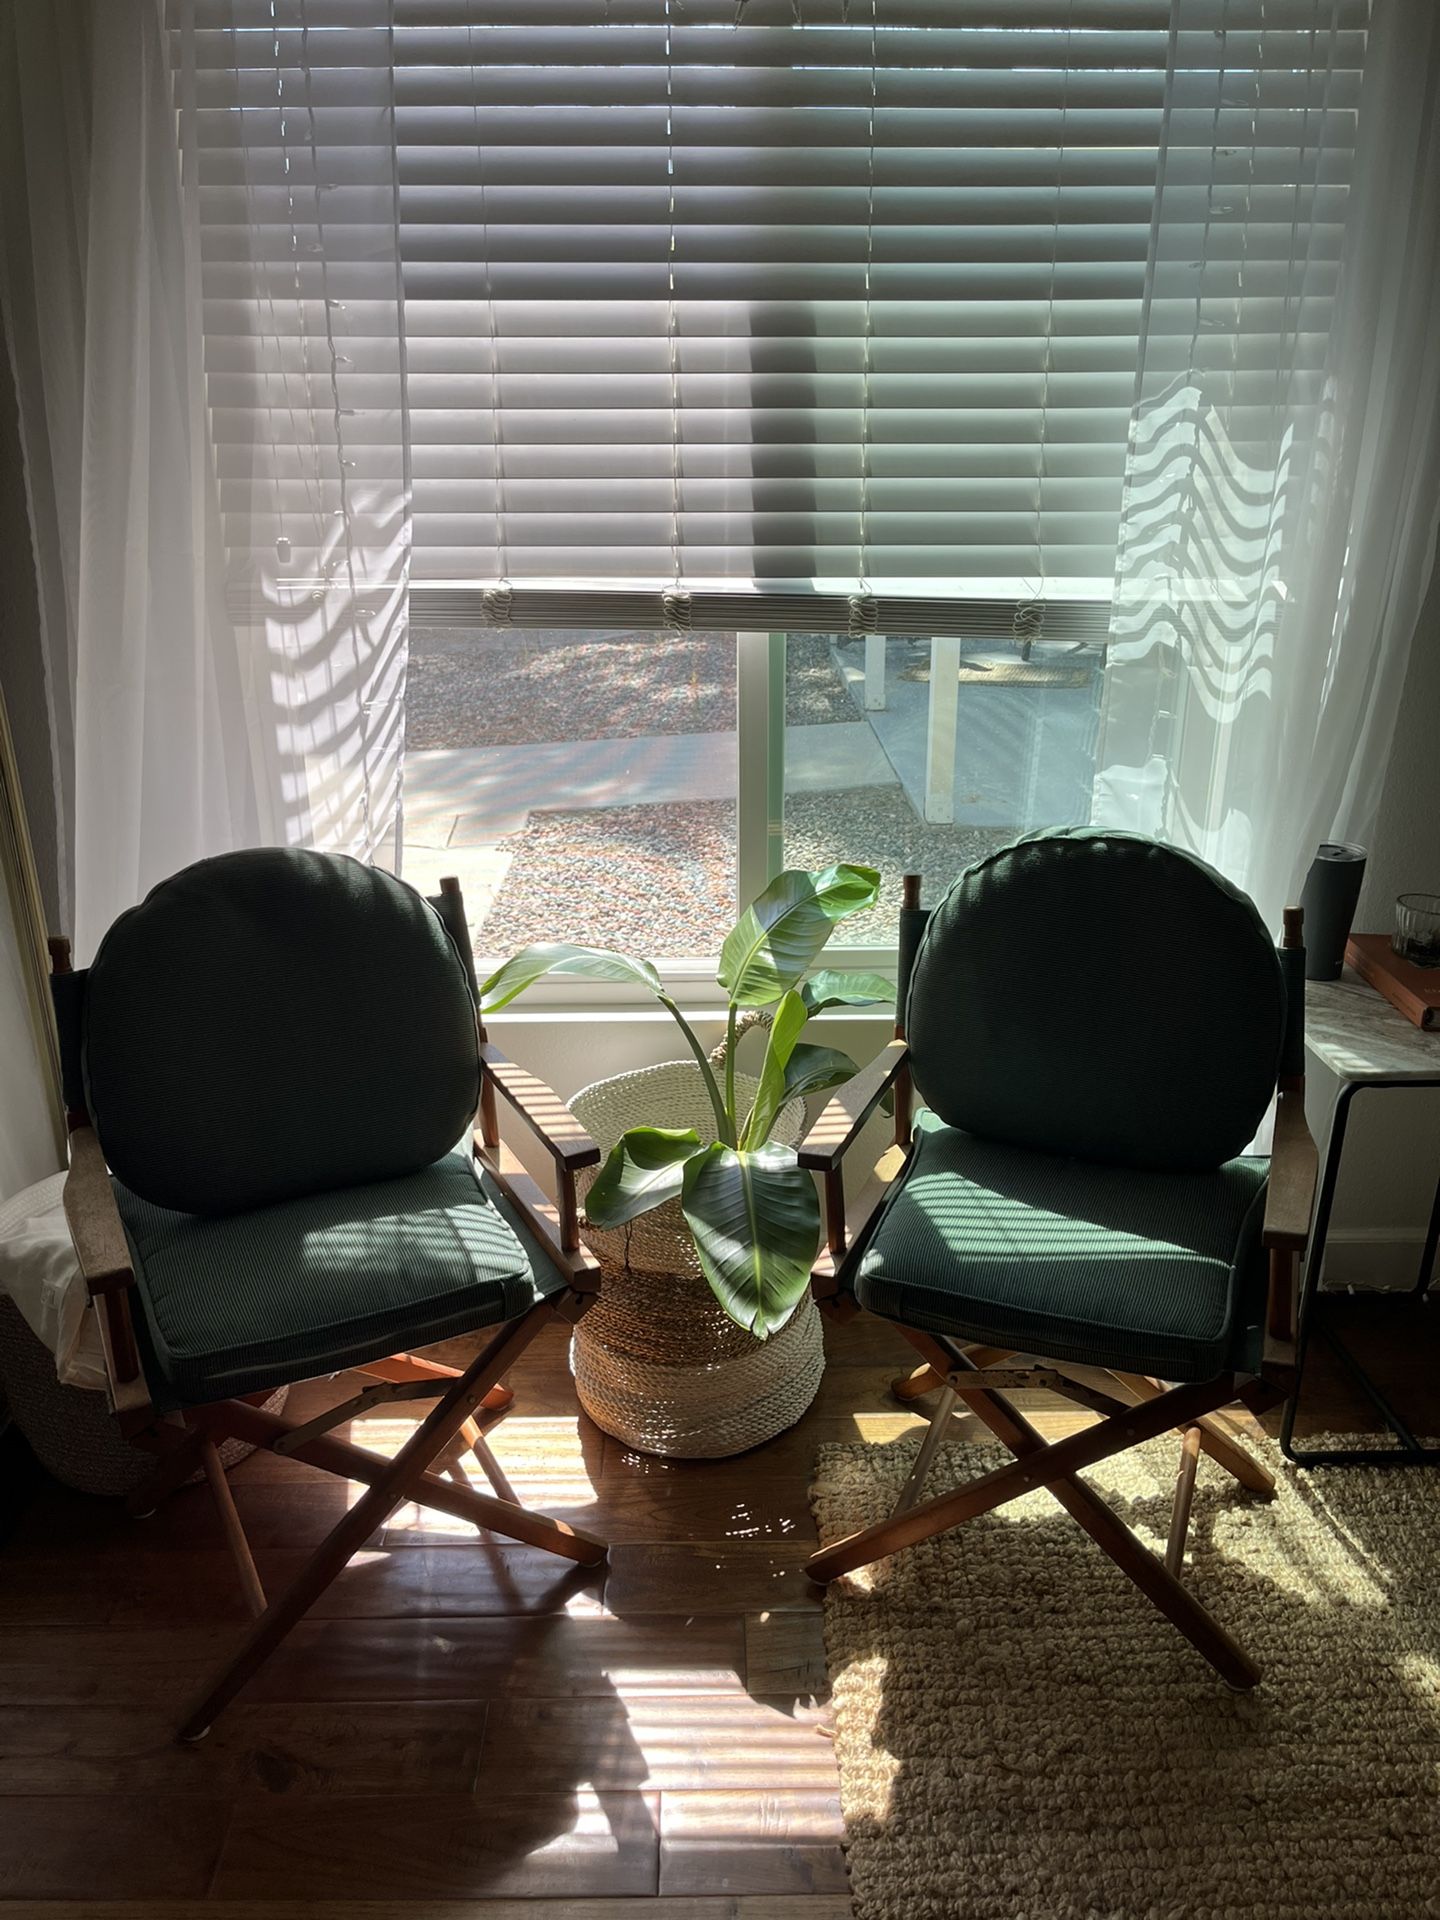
<point x="1410" y="1452"/>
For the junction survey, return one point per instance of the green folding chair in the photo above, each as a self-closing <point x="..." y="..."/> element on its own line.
<point x="268" y="1066"/>
<point x="1095" y="1025"/>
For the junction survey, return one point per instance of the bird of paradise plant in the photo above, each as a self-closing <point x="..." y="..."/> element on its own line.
<point x="750" y="1205"/>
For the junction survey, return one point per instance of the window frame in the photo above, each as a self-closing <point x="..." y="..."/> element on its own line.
<point x="759" y="852"/>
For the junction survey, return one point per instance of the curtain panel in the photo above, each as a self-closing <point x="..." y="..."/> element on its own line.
<point x="1278" y="524"/>
<point x="210" y="412"/>
<point x="289" y="151"/>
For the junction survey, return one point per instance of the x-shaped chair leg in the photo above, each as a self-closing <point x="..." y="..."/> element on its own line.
<point x="1055" y="1466"/>
<point x="390" y="1484"/>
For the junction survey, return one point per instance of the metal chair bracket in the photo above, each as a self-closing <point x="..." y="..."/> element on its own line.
<point x="1005" y="1380"/>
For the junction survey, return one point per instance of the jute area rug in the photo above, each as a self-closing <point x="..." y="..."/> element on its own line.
<point x="1022" y="1737"/>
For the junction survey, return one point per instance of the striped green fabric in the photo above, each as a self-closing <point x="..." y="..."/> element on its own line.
<point x="276" y="1022"/>
<point x="1157" y="1273"/>
<point x="1092" y="992"/>
<point x="312" y="1286"/>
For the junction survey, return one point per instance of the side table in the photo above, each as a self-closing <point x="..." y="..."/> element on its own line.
<point x="1355" y="1032"/>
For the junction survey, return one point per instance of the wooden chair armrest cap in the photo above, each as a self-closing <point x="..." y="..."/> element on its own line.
<point x="542" y="1110"/>
<point x="835" y="1131"/>
<point x="93" y="1217"/>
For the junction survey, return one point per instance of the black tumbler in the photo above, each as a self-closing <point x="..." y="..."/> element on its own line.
<point x="1332" y="887"/>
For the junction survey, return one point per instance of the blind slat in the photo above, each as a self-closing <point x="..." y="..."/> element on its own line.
<point x="811" y="292"/>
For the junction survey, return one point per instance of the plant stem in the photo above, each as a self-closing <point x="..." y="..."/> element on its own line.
<point x="725" y="1131"/>
<point x="730" y="1065"/>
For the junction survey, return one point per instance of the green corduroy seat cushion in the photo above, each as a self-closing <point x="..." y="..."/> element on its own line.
<point x="1156" y="1273"/>
<point x="276" y="1022"/>
<point x="312" y="1286"/>
<point x="1094" y="992"/>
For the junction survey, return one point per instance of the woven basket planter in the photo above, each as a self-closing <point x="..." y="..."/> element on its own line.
<point x="71" y="1430"/>
<point x="657" y="1361"/>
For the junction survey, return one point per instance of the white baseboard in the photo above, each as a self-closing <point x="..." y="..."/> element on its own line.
<point x="1373" y="1259"/>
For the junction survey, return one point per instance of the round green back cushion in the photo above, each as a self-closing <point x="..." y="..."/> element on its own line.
<point x="1096" y="994"/>
<point x="272" y="1023"/>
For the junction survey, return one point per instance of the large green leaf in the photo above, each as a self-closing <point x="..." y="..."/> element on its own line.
<point x="790" y="1017"/>
<point x="775" y="940"/>
<point x="644" y="1169"/>
<point x="830" y="989"/>
<point x="559" y="956"/>
<point x="756" y="1223"/>
<point x="813" y="1069"/>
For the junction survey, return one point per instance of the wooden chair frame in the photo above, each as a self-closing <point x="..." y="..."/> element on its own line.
<point x="1132" y="1409"/>
<point x="426" y="1469"/>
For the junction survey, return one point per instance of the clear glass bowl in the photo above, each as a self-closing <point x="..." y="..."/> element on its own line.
<point x="1417" y="929"/>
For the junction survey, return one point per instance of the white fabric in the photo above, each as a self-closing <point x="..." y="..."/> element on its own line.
<point x="289" y="143"/>
<point x="202" y="696"/>
<point x="152" y="756"/>
<point x="40" y="1273"/>
<point x="28" y="1144"/>
<point x="1279" y="524"/>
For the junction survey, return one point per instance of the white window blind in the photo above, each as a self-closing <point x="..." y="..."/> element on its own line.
<point x="805" y="312"/>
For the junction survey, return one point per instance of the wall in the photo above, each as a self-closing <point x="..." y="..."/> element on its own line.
<point x="22" y="679"/>
<point x="1392" y="1146"/>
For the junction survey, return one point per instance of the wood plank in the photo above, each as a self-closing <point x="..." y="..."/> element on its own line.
<point x="80" y="1666"/>
<point x="785" y="1654"/>
<point x="709" y="1576"/>
<point x="289" y="1749"/>
<point x="124" y="1588"/>
<point x="466" y="1658"/>
<point x="447" y="1846"/>
<point x="666" y="1741"/>
<point x="136" y="1846"/>
<point x="751" y="1842"/>
<point x="760" y="1906"/>
<point x="627" y="1510"/>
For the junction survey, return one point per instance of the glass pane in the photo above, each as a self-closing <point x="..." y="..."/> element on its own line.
<point x="581" y="785"/>
<point x="921" y="756"/>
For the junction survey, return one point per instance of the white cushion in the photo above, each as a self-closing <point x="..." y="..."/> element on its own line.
<point x="40" y="1273"/>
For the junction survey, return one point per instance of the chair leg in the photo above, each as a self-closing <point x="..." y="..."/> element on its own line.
<point x="462" y="1500"/>
<point x="1105" y="1528"/>
<point x="392" y="1483"/>
<point x="915" y="1480"/>
<point x="1216" y="1438"/>
<point x="1184" y="1494"/>
<point x="234" y="1532"/>
<point x="1061" y="1461"/>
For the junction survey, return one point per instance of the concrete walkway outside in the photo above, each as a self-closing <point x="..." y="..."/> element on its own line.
<point x="485" y="793"/>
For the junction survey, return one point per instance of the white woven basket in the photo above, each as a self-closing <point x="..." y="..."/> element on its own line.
<point x="658" y="1362"/>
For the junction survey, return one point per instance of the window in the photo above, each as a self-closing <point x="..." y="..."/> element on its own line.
<point x="807" y="329"/>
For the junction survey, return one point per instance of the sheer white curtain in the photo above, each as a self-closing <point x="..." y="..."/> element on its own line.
<point x="148" y="733"/>
<point x="221" y="571"/>
<point x="287" y="128"/>
<point x="1283" y="474"/>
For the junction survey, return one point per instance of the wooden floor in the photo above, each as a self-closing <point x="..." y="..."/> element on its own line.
<point x="456" y="1722"/>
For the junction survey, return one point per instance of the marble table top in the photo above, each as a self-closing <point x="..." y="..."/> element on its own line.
<point x="1358" y="1035"/>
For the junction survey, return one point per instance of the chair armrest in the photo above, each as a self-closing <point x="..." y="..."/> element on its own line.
<point x="543" y="1111"/>
<point x="1294" y="1171"/>
<point x="103" y="1253"/>
<point x="859" y="1212"/>
<point x="834" y="1133"/>
<point x="93" y="1217"/>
